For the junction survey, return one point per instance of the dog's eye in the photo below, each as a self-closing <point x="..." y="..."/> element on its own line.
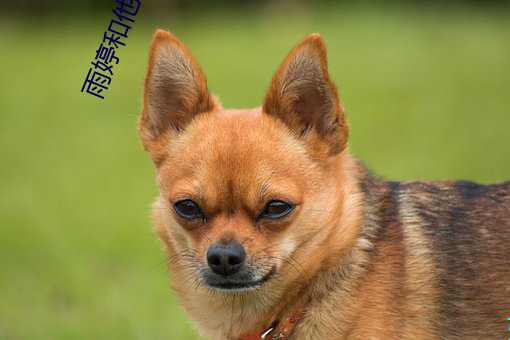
<point x="188" y="210"/>
<point x="275" y="210"/>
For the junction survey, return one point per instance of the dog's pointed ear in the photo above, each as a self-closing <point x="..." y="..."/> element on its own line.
<point x="305" y="98"/>
<point x="175" y="88"/>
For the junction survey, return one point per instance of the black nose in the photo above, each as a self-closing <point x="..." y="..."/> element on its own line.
<point x="226" y="259"/>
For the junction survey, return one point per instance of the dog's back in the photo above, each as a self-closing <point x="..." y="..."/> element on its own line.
<point x="447" y="244"/>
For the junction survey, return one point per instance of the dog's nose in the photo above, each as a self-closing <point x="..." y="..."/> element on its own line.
<point x="226" y="259"/>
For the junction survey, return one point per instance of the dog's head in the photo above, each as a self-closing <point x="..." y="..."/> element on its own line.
<point x="246" y="196"/>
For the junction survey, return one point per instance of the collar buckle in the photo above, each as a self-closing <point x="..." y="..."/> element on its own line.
<point x="274" y="337"/>
<point x="266" y="333"/>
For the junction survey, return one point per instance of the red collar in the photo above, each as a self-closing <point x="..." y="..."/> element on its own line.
<point x="279" y="330"/>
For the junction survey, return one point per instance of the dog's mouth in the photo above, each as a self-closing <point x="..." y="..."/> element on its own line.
<point x="237" y="284"/>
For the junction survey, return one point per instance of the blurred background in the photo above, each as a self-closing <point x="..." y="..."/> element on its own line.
<point x="426" y="85"/>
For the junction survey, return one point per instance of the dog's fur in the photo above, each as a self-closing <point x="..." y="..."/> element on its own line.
<point x="360" y="257"/>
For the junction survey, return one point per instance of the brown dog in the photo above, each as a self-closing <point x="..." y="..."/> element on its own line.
<point x="272" y="228"/>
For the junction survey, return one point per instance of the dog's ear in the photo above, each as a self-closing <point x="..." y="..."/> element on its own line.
<point x="305" y="98"/>
<point x="175" y="89"/>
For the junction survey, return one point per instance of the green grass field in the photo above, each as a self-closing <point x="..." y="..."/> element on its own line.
<point x="427" y="94"/>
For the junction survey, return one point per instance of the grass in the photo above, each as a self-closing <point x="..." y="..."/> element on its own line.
<point x="426" y="93"/>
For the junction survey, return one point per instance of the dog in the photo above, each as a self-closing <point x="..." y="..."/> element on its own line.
<point x="273" y="230"/>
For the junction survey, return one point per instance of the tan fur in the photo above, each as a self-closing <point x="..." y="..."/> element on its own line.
<point x="355" y="255"/>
